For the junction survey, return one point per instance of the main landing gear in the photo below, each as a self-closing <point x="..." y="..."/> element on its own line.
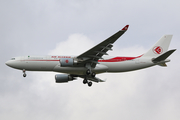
<point x="92" y="74"/>
<point x="24" y="73"/>
<point x="86" y="81"/>
<point x="88" y="72"/>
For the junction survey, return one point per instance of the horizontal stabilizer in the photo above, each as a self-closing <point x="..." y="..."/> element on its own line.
<point x="163" y="64"/>
<point x="163" y="56"/>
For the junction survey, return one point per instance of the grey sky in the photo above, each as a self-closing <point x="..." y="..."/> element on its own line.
<point x="57" y="27"/>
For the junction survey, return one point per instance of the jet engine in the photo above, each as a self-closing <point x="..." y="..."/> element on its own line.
<point x="67" y="62"/>
<point x="61" y="78"/>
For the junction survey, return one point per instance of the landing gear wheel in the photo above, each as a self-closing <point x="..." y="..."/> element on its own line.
<point x="24" y="75"/>
<point x="88" y="72"/>
<point x="89" y="84"/>
<point x="93" y="74"/>
<point x="85" y="81"/>
<point x="24" y="71"/>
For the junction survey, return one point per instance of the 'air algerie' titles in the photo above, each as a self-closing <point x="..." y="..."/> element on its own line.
<point x="60" y="56"/>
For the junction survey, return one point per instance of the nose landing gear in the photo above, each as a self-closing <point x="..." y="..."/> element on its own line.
<point x="24" y="73"/>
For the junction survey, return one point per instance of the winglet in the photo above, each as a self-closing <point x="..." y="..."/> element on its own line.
<point x="126" y="27"/>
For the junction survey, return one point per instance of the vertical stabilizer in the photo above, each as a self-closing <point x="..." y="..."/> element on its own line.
<point x="160" y="47"/>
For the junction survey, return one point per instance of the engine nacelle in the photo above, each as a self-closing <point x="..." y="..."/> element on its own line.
<point x="61" y="78"/>
<point x="67" y="62"/>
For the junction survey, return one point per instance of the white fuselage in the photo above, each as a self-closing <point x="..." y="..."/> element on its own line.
<point x="52" y="63"/>
<point x="90" y="63"/>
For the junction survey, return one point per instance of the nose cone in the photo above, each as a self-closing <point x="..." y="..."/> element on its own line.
<point x="8" y="63"/>
<point x="11" y="63"/>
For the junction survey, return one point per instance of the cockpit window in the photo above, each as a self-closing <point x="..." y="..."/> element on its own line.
<point x="12" y="58"/>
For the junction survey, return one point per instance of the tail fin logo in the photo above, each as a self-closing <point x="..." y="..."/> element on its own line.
<point x="157" y="50"/>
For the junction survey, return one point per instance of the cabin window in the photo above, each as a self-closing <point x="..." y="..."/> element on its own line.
<point x="12" y="58"/>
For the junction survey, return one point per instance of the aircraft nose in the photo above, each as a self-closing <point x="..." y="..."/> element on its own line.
<point x="12" y="63"/>
<point x="7" y="63"/>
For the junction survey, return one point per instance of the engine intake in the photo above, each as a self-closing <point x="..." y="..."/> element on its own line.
<point x="61" y="78"/>
<point x="67" y="62"/>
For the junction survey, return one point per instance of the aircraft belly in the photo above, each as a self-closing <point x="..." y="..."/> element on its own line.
<point x="38" y="65"/>
<point x="80" y="70"/>
<point x="126" y="66"/>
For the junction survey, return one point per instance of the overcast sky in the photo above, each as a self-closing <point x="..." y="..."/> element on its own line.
<point x="70" y="27"/>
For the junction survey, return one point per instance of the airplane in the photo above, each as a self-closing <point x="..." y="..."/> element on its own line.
<point x="94" y="61"/>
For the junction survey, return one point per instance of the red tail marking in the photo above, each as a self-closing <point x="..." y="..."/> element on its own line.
<point x="119" y="59"/>
<point x="157" y="50"/>
<point x="126" y="27"/>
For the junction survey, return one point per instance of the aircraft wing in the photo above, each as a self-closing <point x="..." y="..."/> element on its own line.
<point x="94" y="54"/>
<point x="94" y="79"/>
